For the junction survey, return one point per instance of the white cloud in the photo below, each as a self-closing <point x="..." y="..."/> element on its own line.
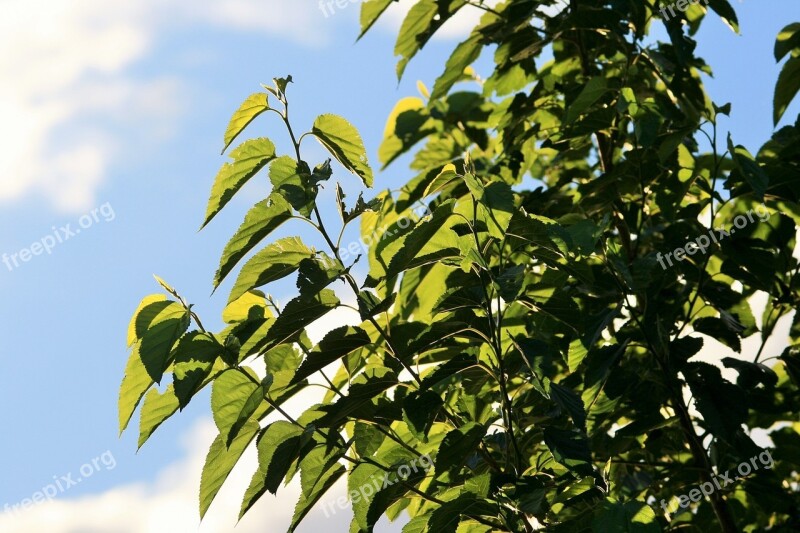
<point x="458" y="27"/>
<point x="170" y="504"/>
<point x="66" y="84"/>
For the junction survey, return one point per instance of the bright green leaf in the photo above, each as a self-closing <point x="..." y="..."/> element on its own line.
<point x="254" y="105"/>
<point x="248" y="159"/>
<point x="344" y="143"/>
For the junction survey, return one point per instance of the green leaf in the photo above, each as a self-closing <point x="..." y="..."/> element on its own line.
<point x="364" y="475"/>
<point x="220" y="461"/>
<point x="282" y="362"/>
<point x="194" y="357"/>
<point x="254" y="105"/>
<point x="308" y="501"/>
<point x="457" y="445"/>
<point x="788" y="40"/>
<point x="751" y="374"/>
<point x="420" y="411"/>
<point x="335" y="345"/>
<point x="360" y="399"/>
<point x="315" y="465"/>
<point x="591" y="93"/>
<point x="251" y="336"/>
<point x="531" y="493"/>
<point x="143" y="317"/>
<point x="370" y="305"/>
<point x="169" y="323"/>
<point x="790" y="357"/>
<point x="278" y="447"/>
<point x="408" y="123"/>
<point x="722" y="404"/>
<point x="418" y="524"/>
<point x="570" y="448"/>
<point x="248" y="159"/>
<point x="361" y="206"/>
<point x="229" y="394"/>
<point x="134" y="385"/>
<point x="281" y="84"/>
<point x="412" y="32"/>
<point x="292" y="180"/>
<point x="344" y="143"/>
<point x="463" y="56"/>
<point x="371" y="10"/>
<point x="442" y="179"/>
<point x="368" y="439"/>
<point x="446" y="518"/>
<point x="167" y="287"/>
<point x="316" y="273"/>
<point x="259" y="222"/>
<point x="681" y="350"/>
<point x="570" y="402"/>
<point x="724" y="9"/>
<point x="384" y="497"/>
<point x="274" y="262"/>
<point x="643" y="426"/>
<point x="786" y="89"/>
<point x="479" y="485"/>
<point x="629" y="517"/>
<point x="428" y="235"/>
<point x="298" y="314"/>
<point x="254" y="403"/>
<point x="250" y="305"/>
<point x="749" y="168"/>
<point x="496" y="208"/>
<point x="157" y="408"/>
<point x="719" y="329"/>
<point x="322" y="172"/>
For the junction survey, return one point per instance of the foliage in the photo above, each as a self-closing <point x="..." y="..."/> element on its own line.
<point x="523" y="333"/>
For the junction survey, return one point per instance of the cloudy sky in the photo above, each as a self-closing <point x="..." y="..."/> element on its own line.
<point x="111" y="122"/>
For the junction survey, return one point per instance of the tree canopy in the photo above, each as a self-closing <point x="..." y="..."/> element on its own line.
<point x="535" y="296"/>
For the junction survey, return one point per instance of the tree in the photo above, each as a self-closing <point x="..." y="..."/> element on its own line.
<point x="534" y="333"/>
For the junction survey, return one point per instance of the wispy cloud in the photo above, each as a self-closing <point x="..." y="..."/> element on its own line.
<point x="457" y="27"/>
<point x="171" y="503"/>
<point x="67" y="87"/>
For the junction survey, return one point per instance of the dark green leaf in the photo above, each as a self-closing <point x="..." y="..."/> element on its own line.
<point x="335" y="345"/>
<point x="457" y="445"/>
<point x="786" y="89"/>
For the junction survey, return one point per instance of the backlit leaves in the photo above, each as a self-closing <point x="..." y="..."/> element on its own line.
<point x="250" y="109"/>
<point x="248" y="159"/>
<point x="259" y="222"/>
<point x="273" y="262"/>
<point x="344" y="143"/>
<point x="526" y="319"/>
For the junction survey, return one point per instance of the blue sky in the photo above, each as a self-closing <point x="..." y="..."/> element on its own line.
<point x="123" y="105"/>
